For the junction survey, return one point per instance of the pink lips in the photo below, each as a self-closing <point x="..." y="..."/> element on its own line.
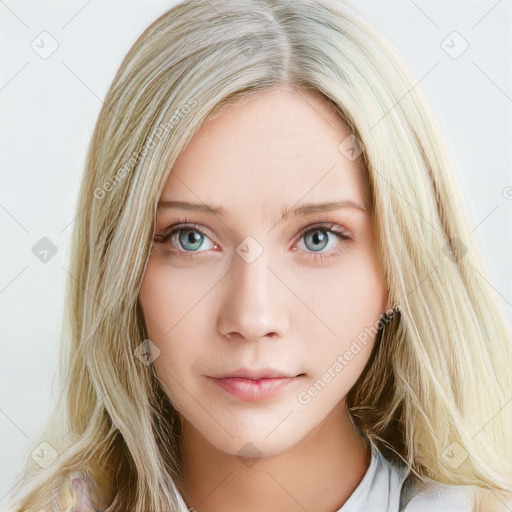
<point x="251" y="390"/>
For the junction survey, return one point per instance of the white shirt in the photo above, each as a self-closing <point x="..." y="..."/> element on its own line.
<point x="385" y="487"/>
<point x="391" y="487"/>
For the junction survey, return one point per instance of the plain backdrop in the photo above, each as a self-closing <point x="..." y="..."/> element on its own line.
<point x="49" y="104"/>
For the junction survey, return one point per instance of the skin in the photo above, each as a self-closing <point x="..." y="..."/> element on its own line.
<point x="288" y="309"/>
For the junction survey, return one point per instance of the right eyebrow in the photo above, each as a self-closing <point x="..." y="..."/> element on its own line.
<point x="184" y="205"/>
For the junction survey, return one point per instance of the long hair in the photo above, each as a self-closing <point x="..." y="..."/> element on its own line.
<point x="438" y="385"/>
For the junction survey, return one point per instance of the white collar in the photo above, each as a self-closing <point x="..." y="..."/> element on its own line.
<point x="380" y="488"/>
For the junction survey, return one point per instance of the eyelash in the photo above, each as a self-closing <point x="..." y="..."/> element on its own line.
<point x="338" y="231"/>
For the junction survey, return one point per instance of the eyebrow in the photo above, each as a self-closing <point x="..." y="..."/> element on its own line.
<point x="302" y="210"/>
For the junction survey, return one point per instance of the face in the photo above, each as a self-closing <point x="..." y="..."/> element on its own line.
<point x="242" y="287"/>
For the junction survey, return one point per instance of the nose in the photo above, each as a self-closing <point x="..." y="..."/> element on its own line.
<point x="254" y="302"/>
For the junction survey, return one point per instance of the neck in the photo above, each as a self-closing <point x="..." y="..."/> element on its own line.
<point x="319" y="473"/>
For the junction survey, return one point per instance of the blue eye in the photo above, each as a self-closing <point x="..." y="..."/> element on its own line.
<point x="316" y="238"/>
<point x="189" y="237"/>
<point x="319" y="237"/>
<point x="192" y="236"/>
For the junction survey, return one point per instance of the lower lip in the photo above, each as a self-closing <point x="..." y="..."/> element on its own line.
<point x="253" y="390"/>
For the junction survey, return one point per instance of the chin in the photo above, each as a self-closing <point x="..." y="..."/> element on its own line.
<point x="254" y="442"/>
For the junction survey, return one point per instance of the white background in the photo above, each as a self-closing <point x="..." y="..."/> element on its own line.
<point x="49" y="107"/>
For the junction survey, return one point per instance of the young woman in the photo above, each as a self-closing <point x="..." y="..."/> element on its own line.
<point x="275" y="301"/>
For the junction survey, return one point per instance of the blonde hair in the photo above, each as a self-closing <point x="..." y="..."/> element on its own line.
<point x="439" y="375"/>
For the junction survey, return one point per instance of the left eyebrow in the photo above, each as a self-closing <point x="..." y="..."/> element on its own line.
<point x="308" y="208"/>
<point x="184" y="205"/>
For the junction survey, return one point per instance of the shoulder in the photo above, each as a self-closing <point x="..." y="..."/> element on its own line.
<point x="428" y="495"/>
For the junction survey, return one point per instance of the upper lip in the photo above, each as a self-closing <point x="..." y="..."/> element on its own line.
<point x="256" y="374"/>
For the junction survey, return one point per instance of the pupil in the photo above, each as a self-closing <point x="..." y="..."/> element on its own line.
<point x="192" y="238"/>
<point x="319" y="236"/>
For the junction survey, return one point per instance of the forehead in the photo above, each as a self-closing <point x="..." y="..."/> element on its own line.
<point x="267" y="150"/>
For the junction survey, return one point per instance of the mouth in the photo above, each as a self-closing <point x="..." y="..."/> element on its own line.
<point x="258" y="374"/>
<point x="255" y="389"/>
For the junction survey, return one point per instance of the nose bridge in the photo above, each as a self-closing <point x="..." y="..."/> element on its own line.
<point x="254" y="302"/>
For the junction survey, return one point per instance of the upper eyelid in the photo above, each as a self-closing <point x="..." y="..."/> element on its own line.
<point x="337" y="229"/>
<point x="167" y="231"/>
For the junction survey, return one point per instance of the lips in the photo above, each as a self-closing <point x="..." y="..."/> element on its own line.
<point x="257" y="374"/>
<point x="254" y="384"/>
<point x="252" y="390"/>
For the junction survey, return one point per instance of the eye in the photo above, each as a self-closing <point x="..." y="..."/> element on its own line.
<point x="319" y="236"/>
<point x="187" y="236"/>
<point x="186" y="239"/>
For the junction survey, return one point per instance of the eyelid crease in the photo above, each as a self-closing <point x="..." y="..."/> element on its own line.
<point x="169" y="230"/>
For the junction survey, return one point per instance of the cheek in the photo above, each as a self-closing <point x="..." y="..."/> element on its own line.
<point x="162" y="310"/>
<point x="349" y="299"/>
<point x="154" y="298"/>
<point x="169" y="299"/>
<point x="175" y="306"/>
<point x="348" y="296"/>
